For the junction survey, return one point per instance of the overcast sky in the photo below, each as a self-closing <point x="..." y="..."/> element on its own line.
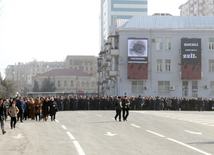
<point x="49" y="30"/>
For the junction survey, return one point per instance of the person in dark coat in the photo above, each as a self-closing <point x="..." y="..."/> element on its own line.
<point x="45" y="108"/>
<point x="76" y="101"/>
<point x="125" y="106"/>
<point x="118" y="107"/>
<point x="53" y="109"/>
<point x="139" y="102"/>
<point x="7" y="106"/>
<point x="3" y="115"/>
<point x="21" y="106"/>
<point x="26" y="114"/>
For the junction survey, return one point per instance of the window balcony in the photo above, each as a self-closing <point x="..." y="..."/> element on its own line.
<point x="113" y="73"/>
<point x="105" y="65"/>
<point x="114" y="52"/>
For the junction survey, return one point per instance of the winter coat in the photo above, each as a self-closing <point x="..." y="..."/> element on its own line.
<point x="52" y="107"/>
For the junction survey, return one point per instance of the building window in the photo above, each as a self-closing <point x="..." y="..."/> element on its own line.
<point x="163" y="86"/>
<point x="137" y="87"/>
<point x="212" y="87"/>
<point x="87" y="84"/>
<point x="168" y="65"/>
<point x="92" y="83"/>
<point x="211" y="65"/>
<point x="211" y="43"/>
<point x="86" y="68"/>
<point x="70" y="62"/>
<point x="81" y="68"/>
<point x="65" y="83"/>
<point x="82" y="84"/>
<point x="72" y="83"/>
<point x="194" y="88"/>
<point x="167" y="43"/>
<point x="159" y="65"/>
<point x="185" y="88"/>
<point x="91" y="68"/>
<point x="159" y="43"/>
<point x="58" y="83"/>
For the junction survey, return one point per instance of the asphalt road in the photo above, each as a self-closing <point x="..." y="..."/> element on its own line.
<point x="97" y="133"/>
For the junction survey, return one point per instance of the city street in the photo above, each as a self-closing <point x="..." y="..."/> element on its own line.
<point x="97" y="133"/>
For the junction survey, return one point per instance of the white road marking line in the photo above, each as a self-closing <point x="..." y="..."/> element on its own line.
<point x="155" y="133"/>
<point x="193" y="148"/>
<point x="56" y="120"/>
<point x="196" y="133"/>
<point x="70" y="135"/>
<point x="79" y="148"/>
<point x="99" y="115"/>
<point x="64" y="127"/>
<point x="18" y="136"/>
<point x="110" y="134"/>
<point x="135" y="125"/>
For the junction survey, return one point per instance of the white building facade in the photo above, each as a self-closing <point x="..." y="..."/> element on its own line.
<point x="161" y="72"/>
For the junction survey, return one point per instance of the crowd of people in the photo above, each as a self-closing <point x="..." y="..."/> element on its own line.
<point x="20" y="109"/>
<point x="136" y="103"/>
<point x="38" y="108"/>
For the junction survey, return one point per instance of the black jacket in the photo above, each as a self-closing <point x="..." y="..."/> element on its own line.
<point x="124" y="102"/>
<point x="3" y="110"/>
<point x="52" y="108"/>
<point x="117" y="105"/>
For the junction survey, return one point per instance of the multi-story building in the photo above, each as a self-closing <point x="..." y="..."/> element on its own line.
<point x="22" y="73"/>
<point x="159" y="56"/>
<point x="121" y="10"/>
<point x="69" y="80"/>
<point x="86" y="64"/>
<point x="197" y="8"/>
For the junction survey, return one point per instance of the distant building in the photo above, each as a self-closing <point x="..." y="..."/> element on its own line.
<point x="125" y="9"/>
<point x="22" y="73"/>
<point x="84" y="63"/>
<point x="69" y="80"/>
<point x="197" y="8"/>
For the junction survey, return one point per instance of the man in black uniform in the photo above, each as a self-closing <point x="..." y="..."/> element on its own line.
<point x="118" y="106"/>
<point x="125" y="105"/>
<point x="3" y="115"/>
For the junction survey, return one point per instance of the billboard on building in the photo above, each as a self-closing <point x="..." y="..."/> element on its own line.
<point x="190" y="58"/>
<point x="137" y="59"/>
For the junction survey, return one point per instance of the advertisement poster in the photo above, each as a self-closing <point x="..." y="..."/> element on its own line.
<point x="190" y="58"/>
<point x="137" y="58"/>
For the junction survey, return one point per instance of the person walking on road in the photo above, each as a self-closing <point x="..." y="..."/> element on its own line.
<point x="13" y="111"/>
<point x="3" y="115"/>
<point x="38" y="108"/>
<point x="21" y="106"/>
<point x="45" y="108"/>
<point x="125" y="106"/>
<point x="118" y="106"/>
<point x="53" y="109"/>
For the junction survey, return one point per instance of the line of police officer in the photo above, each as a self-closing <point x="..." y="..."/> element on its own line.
<point x="136" y="103"/>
